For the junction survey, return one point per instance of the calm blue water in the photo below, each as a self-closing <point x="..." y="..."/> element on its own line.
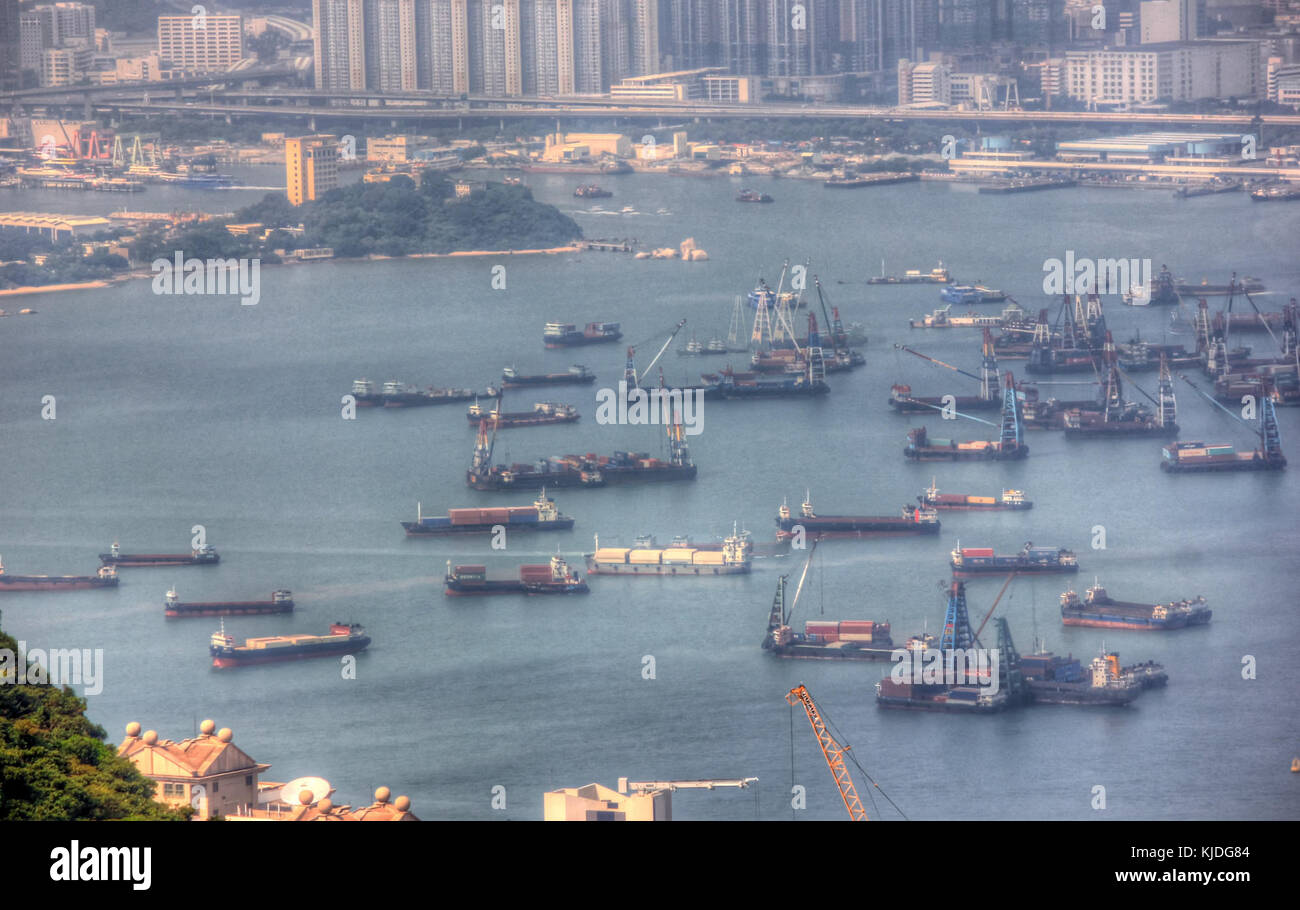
<point x="175" y="411"/>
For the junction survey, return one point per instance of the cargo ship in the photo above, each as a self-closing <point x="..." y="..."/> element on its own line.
<point x="969" y="562"/>
<point x="203" y="555"/>
<point x="542" y="414"/>
<point x="280" y="602"/>
<point x="567" y="335"/>
<point x="1161" y="292"/>
<point x="575" y="375"/>
<point x="592" y="191"/>
<point x="1057" y="680"/>
<point x="747" y="195"/>
<point x="588" y="470"/>
<point x="823" y="640"/>
<point x="903" y="401"/>
<point x="398" y="395"/>
<point x="960" y="502"/>
<point x="965" y="294"/>
<point x="343" y="638"/>
<point x="859" y="181"/>
<point x="1097" y="610"/>
<point x="106" y="577"/>
<point x="937" y="275"/>
<point x="912" y="520"/>
<point x="552" y="578"/>
<point x="735" y="558"/>
<point x="540" y="516"/>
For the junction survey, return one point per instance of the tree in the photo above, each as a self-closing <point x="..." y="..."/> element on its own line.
<point x="55" y="765"/>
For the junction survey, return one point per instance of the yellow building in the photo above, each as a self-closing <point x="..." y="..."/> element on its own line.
<point x="209" y="773"/>
<point x="568" y="146"/>
<point x="596" y="803"/>
<point x="311" y="165"/>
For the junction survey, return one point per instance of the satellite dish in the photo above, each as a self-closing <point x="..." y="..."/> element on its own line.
<point x="319" y="787"/>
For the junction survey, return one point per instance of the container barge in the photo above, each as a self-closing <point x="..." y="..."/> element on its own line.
<point x="913" y="520"/>
<point x="960" y="502"/>
<point x="567" y="335"/>
<point x="971" y="562"/>
<point x="280" y="602"/>
<point x="735" y="558"/>
<point x="1097" y="610"/>
<point x="575" y="375"/>
<point x="1205" y="289"/>
<point x="203" y="555"/>
<point x="903" y="401"/>
<point x="1197" y="457"/>
<point x="540" y="516"/>
<point x="543" y="413"/>
<point x="106" y="577"/>
<point x="552" y="578"/>
<point x="588" y="470"/>
<point x="343" y="638"/>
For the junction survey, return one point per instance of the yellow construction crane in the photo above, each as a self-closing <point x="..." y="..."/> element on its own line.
<point x="833" y="752"/>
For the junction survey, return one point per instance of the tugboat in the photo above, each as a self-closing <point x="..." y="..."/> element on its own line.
<point x="343" y="638"/>
<point x="202" y="555"/>
<point x="748" y="195"/>
<point x="555" y="578"/>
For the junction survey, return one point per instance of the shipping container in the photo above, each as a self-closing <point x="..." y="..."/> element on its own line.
<point x="817" y="625"/>
<point x="856" y="625"/>
<point x="612" y="554"/>
<point x="855" y="636"/>
<point x="988" y="500"/>
<point x="977" y="551"/>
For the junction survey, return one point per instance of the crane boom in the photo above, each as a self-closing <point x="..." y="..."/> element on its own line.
<point x="643" y="786"/>
<point x="665" y="347"/>
<point x="832" y="751"/>
<point x="948" y="366"/>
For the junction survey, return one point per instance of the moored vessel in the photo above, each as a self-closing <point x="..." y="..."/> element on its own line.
<point x="734" y="558"/>
<point x="576" y="375"/>
<point x="911" y="520"/>
<point x="957" y="502"/>
<point x="542" y="414"/>
<point x="1096" y="609"/>
<point x="967" y="562"/>
<point x="566" y="334"/>
<point x="106" y="577"/>
<point x="342" y="638"/>
<point x="202" y="555"/>
<point x="542" y="515"/>
<point x="552" y="578"/>
<point x="280" y="602"/>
